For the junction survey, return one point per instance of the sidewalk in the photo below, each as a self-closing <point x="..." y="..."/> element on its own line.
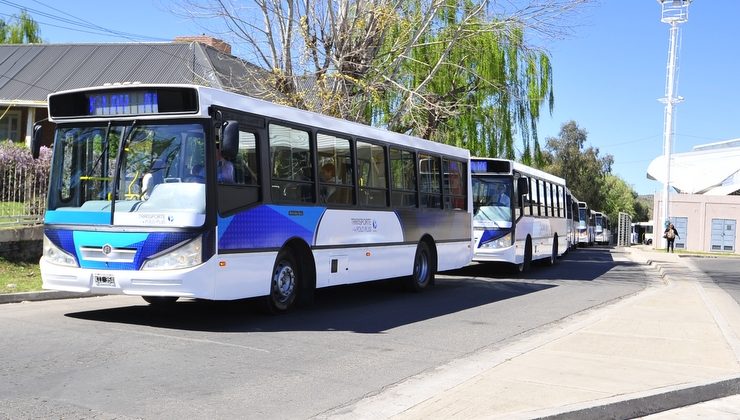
<point x="673" y="345"/>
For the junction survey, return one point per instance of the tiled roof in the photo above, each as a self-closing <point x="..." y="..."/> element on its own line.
<point x="28" y="73"/>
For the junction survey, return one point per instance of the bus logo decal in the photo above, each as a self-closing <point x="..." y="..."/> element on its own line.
<point x="107" y="249"/>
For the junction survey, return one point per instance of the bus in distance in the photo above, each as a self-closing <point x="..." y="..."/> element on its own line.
<point x="184" y="191"/>
<point x="602" y="232"/>
<point x="519" y="213"/>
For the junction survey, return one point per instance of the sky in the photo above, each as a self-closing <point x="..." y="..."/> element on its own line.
<point x="608" y="73"/>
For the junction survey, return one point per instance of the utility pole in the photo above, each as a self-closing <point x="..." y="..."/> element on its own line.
<point x="674" y="12"/>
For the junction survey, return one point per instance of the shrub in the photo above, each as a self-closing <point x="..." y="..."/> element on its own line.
<point x="20" y="173"/>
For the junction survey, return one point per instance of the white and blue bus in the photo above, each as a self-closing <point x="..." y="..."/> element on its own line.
<point x="602" y="231"/>
<point x="172" y="191"/>
<point x="519" y="213"/>
<point x="586" y="233"/>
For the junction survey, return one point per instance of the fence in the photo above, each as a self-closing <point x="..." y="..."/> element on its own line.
<point x="624" y="230"/>
<point x="22" y="196"/>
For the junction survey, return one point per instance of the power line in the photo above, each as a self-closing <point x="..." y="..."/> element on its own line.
<point x="91" y="28"/>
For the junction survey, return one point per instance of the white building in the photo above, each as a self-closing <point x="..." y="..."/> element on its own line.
<point x="706" y="206"/>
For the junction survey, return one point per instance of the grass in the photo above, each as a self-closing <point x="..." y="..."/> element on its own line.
<point x="19" y="277"/>
<point x="11" y="208"/>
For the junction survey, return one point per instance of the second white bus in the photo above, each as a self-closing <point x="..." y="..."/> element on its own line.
<point x="519" y="213"/>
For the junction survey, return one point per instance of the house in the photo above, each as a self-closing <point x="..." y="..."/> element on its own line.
<point x="28" y="73"/>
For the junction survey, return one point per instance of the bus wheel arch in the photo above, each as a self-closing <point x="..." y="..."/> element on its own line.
<point x="425" y="266"/>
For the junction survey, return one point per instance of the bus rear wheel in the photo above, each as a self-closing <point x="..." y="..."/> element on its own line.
<point x="423" y="274"/>
<point x="523" y="267"/>
<point x="554" y="255"/>
<point x="283" y="283"/>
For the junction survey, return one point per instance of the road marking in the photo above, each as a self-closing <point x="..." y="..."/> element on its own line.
<point x="197" y="340"/>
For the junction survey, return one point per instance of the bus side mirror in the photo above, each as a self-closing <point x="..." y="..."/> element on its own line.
<point x="230" y="139"/>
<point x="38" y="131"/>
<point x="522" y="186"/>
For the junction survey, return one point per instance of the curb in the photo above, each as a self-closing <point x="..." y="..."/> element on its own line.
<point x="42" y="295"/>
<point x="651" y="402"/>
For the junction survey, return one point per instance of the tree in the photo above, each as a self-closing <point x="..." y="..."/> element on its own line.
<point x="583" y="170"/>
<point x="456" y="71"/>
<point x="618" y="198"/>
<point x="24" y="30"/>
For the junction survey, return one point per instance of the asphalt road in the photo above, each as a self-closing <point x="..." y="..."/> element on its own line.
<point x="725" y="272"/>
<point x="116" y="357"/>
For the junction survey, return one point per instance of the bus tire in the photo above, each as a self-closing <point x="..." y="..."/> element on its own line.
<point x="554" y="254"/>
<point x="284" y="283"/>
<point x="160" y="300"/>
<point x="423" y="272"/>
<point x="523" y="267"/>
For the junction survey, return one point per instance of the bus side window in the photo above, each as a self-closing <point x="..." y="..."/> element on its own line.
<point x="246" y="161"/>
<point x="292" y="168"/>
<point x="373" y="184"/>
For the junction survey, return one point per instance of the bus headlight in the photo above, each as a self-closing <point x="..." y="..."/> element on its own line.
<point x="502" y="242"/>
<point x="185" y="256"/>
<point x="55" y="255"/>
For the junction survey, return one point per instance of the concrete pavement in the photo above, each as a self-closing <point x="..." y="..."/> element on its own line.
<point x="675" y="344"/>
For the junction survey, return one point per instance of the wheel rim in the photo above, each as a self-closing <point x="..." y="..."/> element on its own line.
<point x="283" y="282"/>
<point x="421" y="267"/>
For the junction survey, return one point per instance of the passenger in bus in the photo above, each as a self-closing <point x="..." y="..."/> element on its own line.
<point x="225" y="169"/>
<point x="328" y="176"/>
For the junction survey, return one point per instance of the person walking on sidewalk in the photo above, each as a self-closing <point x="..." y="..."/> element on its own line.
<point x="670" y="236"/>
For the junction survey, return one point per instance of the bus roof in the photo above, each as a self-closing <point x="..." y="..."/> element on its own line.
<point x="524" y="169"/>
<point x="212" y="96"/>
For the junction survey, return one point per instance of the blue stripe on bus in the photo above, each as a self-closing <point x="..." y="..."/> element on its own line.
<point x="77" y="217"/>
<point x="268" y="227"/>
<point x="492" y="234"/>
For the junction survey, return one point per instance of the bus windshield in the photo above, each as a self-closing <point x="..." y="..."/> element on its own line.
<point x="598" y="223"/>
<point x="158" y="180"/>
<point x="583" y="216"/>
<point x="492" y="200"/>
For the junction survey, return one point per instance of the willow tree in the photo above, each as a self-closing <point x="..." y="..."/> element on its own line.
<point x="455" y="71"/>
<point x="22" y="29"/>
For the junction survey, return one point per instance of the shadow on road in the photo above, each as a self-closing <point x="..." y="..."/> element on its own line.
<point x="378" y="306"/>
<point x="364" y="308"/>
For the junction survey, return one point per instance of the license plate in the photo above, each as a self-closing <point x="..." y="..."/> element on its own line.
<point x="104" y="280"/>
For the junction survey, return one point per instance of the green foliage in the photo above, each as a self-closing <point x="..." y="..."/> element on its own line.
<point x="23" y="30"/>
<point x="618" y="197"/>
<point x="469" y="82"/>
<point x="588" y="175"/>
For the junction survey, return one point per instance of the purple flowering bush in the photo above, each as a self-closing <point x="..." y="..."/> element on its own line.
<point x="21" y="174"/>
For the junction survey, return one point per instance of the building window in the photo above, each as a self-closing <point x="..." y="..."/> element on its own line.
<point x="10" y="126"/>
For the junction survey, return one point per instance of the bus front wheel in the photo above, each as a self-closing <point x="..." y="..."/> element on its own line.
<point x="283" y="283"/>
<point x="423" y="274"/>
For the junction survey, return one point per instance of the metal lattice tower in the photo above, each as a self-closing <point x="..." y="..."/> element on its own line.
<point x="674" y="13"/>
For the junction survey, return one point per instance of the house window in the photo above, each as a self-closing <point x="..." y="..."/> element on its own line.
<point x="10" y="126"/>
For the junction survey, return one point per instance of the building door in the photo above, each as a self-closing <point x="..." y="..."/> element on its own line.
<point x="681" y="225"/>
<point x="723" y="235"/>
